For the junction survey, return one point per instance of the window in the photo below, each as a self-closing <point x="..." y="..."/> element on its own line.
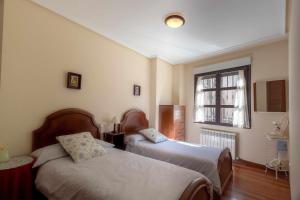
<point x="223" y="97"/>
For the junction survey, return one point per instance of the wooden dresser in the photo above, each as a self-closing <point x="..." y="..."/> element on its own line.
<point x="172" y="121"/>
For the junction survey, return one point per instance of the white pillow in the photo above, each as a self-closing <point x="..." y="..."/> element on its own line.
<point x="153" y="135"/>
<point x="81" y="146"/>
<point x="133" y="138"/>
<point x="104" y="144"/>
<point x="47" y="153"/>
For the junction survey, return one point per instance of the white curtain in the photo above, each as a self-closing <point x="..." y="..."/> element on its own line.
<point x="199" y="101"/>
<point x="241" y="114"/>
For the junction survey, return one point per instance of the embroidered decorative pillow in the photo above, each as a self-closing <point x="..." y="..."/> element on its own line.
<point x="153" y="135"/>
<point x="81" y="146"/>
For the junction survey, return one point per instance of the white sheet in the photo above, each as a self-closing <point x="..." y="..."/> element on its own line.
<point x="118" y="175"/>
<point x="195" y="157"/>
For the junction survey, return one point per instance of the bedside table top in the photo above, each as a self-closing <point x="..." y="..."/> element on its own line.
<point x="15" y="162"/>
<point x="117" y="133"/>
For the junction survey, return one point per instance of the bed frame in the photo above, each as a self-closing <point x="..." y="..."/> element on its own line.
<point x="134" y="120"/>
<point x="73" y="120"/>
<point x="62" y="122"/>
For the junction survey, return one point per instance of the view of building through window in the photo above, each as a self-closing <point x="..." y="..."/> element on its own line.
<point x="219" y="90"/>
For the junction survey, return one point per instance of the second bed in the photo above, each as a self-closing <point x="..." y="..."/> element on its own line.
<point x="214" y="163"/>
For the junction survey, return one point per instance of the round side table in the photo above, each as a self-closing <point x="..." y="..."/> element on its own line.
<point x="16" y="178"/>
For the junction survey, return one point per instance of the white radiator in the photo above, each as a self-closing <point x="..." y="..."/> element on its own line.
<point x="219" y="139"/>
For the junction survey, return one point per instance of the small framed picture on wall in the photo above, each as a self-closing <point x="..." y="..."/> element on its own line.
<point x="74" y="81"/>
<point x="136" y="90"/>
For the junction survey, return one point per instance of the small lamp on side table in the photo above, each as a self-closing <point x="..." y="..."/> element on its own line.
<point x="117" y="125"/>
<point x="4" y="155"/>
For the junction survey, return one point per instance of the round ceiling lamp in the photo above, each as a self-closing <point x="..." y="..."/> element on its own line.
<point x="174" y="21"/>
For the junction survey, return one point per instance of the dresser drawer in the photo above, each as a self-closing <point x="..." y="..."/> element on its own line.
<point x="181" y="138"/>
<point x="179" y="126"/>
<point x="172" y="121"/>
<point x="179" y="131"/>
<point x="179" y="115"/>
<point x="179" y="120"/>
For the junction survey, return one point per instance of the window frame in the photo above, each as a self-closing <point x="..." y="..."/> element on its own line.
<point x="218" y="89"/>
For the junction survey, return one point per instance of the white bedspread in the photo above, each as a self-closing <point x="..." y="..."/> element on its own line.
<point x="195" y="157"/>
<point x="118" y="175"/>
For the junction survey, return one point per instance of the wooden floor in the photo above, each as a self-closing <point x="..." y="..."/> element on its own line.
<point x="251" y="183"/>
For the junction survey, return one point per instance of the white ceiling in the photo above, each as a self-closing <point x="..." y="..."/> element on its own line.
<point x="211" y="25"/>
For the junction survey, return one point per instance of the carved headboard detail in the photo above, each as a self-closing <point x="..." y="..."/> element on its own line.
<point x="64" y="122"/>
<point x="134" y="120"/>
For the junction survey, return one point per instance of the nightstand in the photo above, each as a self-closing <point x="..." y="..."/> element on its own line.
<point x="16" y="178"/>
<point x="115" y="138"/>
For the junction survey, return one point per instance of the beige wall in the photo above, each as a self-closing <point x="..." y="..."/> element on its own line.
<point x="294" y="72"/>
<point x="153" y="91"/>
<point x="39" y="47"/>
<point x="1" y="31"/>
<point x="269" y="62"/>
<point x="161" y="87"/>
<point x="178" y="85"/>
<point x="261" y="99"/>
<point x="164" y="82"/>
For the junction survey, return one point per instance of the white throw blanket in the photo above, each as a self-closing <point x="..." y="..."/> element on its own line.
<point x="118" y="175"/>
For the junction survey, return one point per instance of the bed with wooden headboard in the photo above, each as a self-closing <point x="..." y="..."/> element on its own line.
<point x="66" y="121"/>
<point x="134" y="120"/>
<point x="73" y="120"/>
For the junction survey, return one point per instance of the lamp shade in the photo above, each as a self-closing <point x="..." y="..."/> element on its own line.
<point x="115" y="120"/>
<point x="4" y="155"/>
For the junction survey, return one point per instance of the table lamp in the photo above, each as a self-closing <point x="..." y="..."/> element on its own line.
<point x="115" y="121"/>
<point x="4" y="156"/>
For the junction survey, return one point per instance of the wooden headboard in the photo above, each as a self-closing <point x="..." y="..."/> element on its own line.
<point x="64" y="122"/>
<point x="134" y="120"/>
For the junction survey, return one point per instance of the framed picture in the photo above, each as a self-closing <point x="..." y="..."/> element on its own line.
<point x="74" y="81"/>
<point x="136" y="90"/>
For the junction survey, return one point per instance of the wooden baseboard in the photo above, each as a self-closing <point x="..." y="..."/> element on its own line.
<point x="258" y="167"/>
<point x="249" y="164"/>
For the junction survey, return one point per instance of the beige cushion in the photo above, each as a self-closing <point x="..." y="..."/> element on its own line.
<point x="153" y="135"/>
<point x="48" y="153"/>
<point x="134" y="138"/>
<point x="81" y="146"/>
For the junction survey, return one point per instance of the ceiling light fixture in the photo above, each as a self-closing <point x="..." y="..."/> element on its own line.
<point x="174" y="21"/>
